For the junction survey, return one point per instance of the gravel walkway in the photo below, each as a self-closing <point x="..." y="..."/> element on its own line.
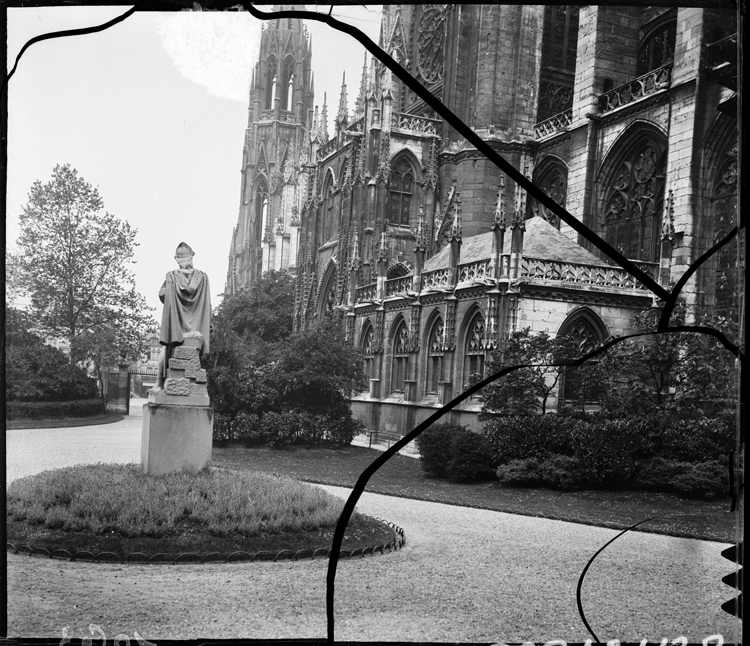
<point x="465" y="575"/>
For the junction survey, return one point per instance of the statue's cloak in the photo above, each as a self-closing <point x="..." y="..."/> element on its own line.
<point x="187" y="307"/>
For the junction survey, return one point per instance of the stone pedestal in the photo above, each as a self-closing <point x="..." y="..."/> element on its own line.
<point x="178" y="419"/>
<point x="176" y="438"/>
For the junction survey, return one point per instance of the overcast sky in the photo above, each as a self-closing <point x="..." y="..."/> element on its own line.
<point x="152" y="112"/>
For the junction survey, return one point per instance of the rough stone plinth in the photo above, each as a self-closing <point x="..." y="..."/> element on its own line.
<point x="176" y="438"/>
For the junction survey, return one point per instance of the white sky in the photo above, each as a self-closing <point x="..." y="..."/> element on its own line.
<point x="152" y="112"/>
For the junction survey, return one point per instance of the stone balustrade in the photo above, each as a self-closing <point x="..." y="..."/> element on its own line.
<point x="398" y="286"/>
<point x="437" y="279"/>
<point x="472" y="272"/>
<point x="643" y="86"/>
<point x="412" y="123"/>
<point x="366" y="293"/>
<point x="581" y="274"/>
<point x="327" y="149"/>
<point x="556" y="123"/>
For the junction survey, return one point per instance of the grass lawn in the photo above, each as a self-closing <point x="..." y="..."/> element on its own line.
<point x="116" y="508"/>
<point x="403" y="476"/>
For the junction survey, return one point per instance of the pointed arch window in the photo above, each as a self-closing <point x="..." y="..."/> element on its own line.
<point x="400" y="357"/>
<point x="270" y="82"/>
<point x="328" y="295"/>
<point x="724" y="207"/>
<point x="290" y="93"/>
<point x="328" y="211"/>
<point x="657" y="44"/>
<point x="586" y="336"/>
<point x="552" y="178"/>
<point x="435" y="357"/>
<point x="633" y="200"/>
<point x="474" y="352"/>
<point x="401" y="192"/>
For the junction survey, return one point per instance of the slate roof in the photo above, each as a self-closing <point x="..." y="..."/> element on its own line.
<point x="541" y="240"/>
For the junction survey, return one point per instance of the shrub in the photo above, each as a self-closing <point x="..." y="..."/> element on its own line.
<point x="515" y="438"/>
<point x="279" y="429"/>
<point x="519" y="473"/>
<point x="562" y="472"/>
<point x="53" y="410"/>
<point x="555" y="472"/>
<point x="471" y="457"/>
<point x="248" y="429"/>
<point x="338" y="431"/>
<point x="223" y="431"/>
<point x="434" y="445"/>
<point x="708" y="479"/>
<point x="40" y="373"/>
<point x="697" y="440"/>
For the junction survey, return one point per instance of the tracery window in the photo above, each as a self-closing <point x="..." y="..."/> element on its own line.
<point x="634" y="201"/>
<point x="559" y="48"/>
<point x="585" y="337"/>
<point x="328" y="296"/>
<point x="286" y="91"/>
<point x="401" y="192"/>
<point x="724" y="207"/>
<point x="553" y="180"/>
<point x="474" y="353"/>
<point x="434" y="357"/>
<point x="657" y="45"/>
<point x="400" y="358"/>
<point x="328" y="211"/>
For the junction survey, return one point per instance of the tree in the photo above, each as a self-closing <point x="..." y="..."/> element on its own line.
<point x="526" y="391"/>
<point x="257" y="365"/>
<point x="677" y="372"/>
<point x="73" y="262"/>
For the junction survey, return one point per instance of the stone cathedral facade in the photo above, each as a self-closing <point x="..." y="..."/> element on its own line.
<point x="427" y="254"/>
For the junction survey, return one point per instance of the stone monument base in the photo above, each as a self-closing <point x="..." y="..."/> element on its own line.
<point x="176" y="438"/>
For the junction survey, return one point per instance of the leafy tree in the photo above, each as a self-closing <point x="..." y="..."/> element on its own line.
<point x="526" y="391"/>
<point x="257" y="365"/>
<point x="73" y="262"/>
<point x="678" y="372"/>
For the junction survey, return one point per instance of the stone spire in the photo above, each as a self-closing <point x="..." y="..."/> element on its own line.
<point x="373" y="89"/>
<point x="342" y="117"/>
<point x="315" y="127"/>
<point x="359" y="105"/>
<point x="324" y="120"/>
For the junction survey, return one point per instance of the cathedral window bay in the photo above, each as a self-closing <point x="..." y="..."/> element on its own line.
<point x="424" y="252"/>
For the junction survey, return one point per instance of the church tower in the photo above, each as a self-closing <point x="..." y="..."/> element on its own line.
<point x="281" y="97"/>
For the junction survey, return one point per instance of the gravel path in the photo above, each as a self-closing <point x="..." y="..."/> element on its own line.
<point x="465" y="575"/>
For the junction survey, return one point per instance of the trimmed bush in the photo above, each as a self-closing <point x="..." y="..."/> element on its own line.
<point x="41" y="373"/>
<point x="708" y="479"/>
<point x="555" y="472"/>
<point x="53" y="410"/>
<point x="434" y="445"/>
<point x="537" y="436"/>
<point x="471" y="457"/>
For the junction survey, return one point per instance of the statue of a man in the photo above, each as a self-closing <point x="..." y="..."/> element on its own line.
<point x="187" y="308"/>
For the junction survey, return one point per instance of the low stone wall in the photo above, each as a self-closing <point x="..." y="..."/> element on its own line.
<point x="392" y="419"/>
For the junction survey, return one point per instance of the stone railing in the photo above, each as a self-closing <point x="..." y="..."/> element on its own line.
<point x="366" y="293"/>
<point x="266" y="115"/>
<point x="327" y="148"/>
<point x="581" y="274"/>
<point x="437" y="279"/>
<point x="397" y="286"/>
<point x="357" y="126"/>
<point x="474" y="271"/>
<point x="556" y="123"/>
<point x="650" y="83"/>
<point x="412" y="123"/>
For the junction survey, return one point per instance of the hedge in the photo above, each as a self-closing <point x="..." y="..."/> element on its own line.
<point x="707" y="480"/>
<point x="279" y="430"/>
<point x="53" y="410"/>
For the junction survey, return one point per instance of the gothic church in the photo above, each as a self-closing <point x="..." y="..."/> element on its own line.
<point x="425" y="251"/>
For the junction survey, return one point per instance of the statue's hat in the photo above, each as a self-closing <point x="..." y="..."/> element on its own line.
<point x="184" y="251"/>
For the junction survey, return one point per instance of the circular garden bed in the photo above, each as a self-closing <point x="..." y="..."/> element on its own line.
<point x="112" y="512"/>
